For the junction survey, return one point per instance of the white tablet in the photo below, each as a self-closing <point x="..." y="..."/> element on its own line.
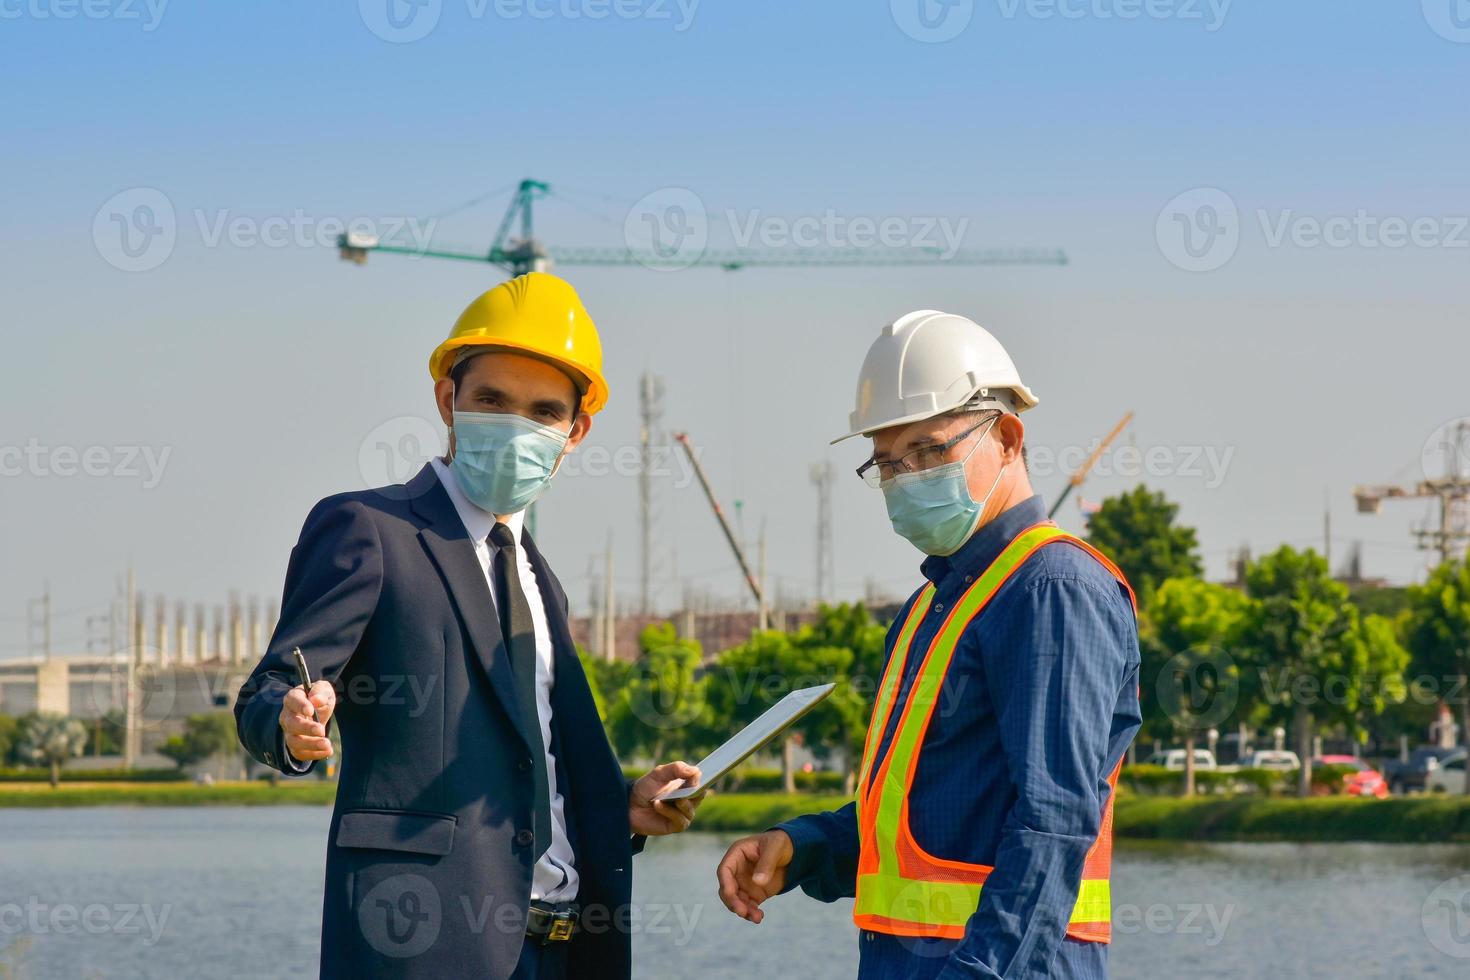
<point x="750" y="739"/>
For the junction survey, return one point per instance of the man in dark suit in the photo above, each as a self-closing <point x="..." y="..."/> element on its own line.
<point x="483" y="827"/>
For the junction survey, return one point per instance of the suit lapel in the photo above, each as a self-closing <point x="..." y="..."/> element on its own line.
<point x="450" y="548"/>
<point x="573" y="710"/>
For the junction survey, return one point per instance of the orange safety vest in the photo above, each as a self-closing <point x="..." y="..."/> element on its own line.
<point x="902" y="889"/>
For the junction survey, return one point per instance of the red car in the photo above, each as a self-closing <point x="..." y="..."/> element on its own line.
<point x="1364" y="780"/>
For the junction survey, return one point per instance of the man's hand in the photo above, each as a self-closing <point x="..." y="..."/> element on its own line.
<point x="655" y="819"/>
<point x="754" y="869"/>
<point x="306" y="736"/>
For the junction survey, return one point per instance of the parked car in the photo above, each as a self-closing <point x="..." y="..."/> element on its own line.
<point x="1364" y="780"/>
<point x="1412" y="776"/>
<point x="1449" y="775"/>
<point x="1273" y="760"/>
<point x="1174" y="759"/>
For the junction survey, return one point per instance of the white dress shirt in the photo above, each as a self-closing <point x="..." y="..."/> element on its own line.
<point x="554" y="878"/>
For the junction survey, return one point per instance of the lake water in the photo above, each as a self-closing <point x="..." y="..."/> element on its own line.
<point x="236" y="892"/>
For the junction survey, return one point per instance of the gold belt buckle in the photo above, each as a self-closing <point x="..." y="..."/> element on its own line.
<point x="561" y="929"/>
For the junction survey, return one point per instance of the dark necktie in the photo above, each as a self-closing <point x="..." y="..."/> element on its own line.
<point x="520" y="641"/>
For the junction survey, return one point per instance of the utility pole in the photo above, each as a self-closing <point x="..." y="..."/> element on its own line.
<point x="650" y="413"/>
<point x="763" y="614"/>
<point x="609" y="605"/>
<point x="38" y="624"/>
<point x="130" y="698"/>
<point x="1327" y="530"/>
<point x="822" y="477"/>
<point x="1451" y="491"/>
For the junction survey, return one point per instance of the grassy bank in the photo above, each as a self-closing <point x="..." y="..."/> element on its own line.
<point x="167" y="794"/>
<point x="1420" y="819"/>
<point x="1416" y="819"/>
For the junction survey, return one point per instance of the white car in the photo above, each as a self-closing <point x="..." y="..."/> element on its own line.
<point x="1448" y="776"/>
<point x="1273" y="760"/>
<point x="1174" y="759"/>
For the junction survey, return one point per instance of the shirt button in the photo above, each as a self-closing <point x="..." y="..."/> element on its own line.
<point x="524" y="838"/>
<point x="270" y="757"/>
<point x="969" y="578"/>
<point x="524" y="765"/>
<point x="939" y="607"/>
<point x="868" y="936"/>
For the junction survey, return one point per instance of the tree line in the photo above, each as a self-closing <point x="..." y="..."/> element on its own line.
<point x="1287" y="646"/>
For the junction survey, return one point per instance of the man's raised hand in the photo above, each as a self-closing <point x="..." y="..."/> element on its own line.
<point x="304" y="721"/>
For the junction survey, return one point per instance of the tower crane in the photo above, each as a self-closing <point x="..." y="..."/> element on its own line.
<point x="1452" y="491"/>
<point x="524" y="252"/>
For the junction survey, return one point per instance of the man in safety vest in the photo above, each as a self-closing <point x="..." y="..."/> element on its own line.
<point x="980" y="841"/>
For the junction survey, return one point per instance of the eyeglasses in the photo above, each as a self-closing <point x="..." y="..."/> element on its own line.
<point x="876" y="472"/>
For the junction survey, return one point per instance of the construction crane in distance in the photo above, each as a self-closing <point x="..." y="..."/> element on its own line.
<point x="1452" y="490"/>
<point x="750" y="579"/>
<point x="526" y="253"/>
<point x="1078" y="477"/>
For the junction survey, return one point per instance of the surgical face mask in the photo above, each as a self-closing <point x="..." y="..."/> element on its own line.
<point x="503" y="462"/>
<point x="933" y="508"/>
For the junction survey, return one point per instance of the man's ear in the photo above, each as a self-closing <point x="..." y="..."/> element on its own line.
<point x="1011" y="432"/>
<point x="581" y="425"/>
<point x="444" y="397"/>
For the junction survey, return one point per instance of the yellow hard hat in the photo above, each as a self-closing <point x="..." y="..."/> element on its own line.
<point x="537" y="313"/>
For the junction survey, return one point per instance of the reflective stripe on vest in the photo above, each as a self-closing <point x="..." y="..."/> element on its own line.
<point x="902" y="889"/>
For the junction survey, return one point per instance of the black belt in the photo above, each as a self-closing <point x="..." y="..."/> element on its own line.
<point x="552" y="922"/>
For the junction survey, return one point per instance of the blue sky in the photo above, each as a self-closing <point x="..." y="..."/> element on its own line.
<point x="263" y="369"/>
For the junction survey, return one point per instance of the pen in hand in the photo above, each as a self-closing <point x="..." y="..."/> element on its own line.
<point x="303" y="675"/>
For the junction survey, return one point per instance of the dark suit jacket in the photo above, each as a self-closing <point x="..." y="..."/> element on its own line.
<point x="429" y="858"/>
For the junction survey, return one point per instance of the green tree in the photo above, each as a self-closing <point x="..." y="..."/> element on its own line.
<point x="596" y="673"/>
<point x="661" y="698"/>
<point x="49" y="739"/>
<point x="848" y="627"/>
<point x="1137" y="531"/>
<point x="8" y="730"/>
<point x="1307" y="644"/>
<point x="1438" y="632"/>
<point x="205" y="736"/>
<point x="749" y="678"/>
<point x="1189" y="634"/>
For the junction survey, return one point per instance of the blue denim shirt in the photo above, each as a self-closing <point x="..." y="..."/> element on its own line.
<point x="1038" y="706"/>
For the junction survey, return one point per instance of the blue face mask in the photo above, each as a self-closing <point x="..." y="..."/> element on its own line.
<point x="503" y="462"/>
<point x="933" y="508"/>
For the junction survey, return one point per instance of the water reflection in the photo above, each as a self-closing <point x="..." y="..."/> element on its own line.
<point x="206" y="893"/>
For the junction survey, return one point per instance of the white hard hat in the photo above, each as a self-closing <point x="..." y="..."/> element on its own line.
<point x="927" y="363"/>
